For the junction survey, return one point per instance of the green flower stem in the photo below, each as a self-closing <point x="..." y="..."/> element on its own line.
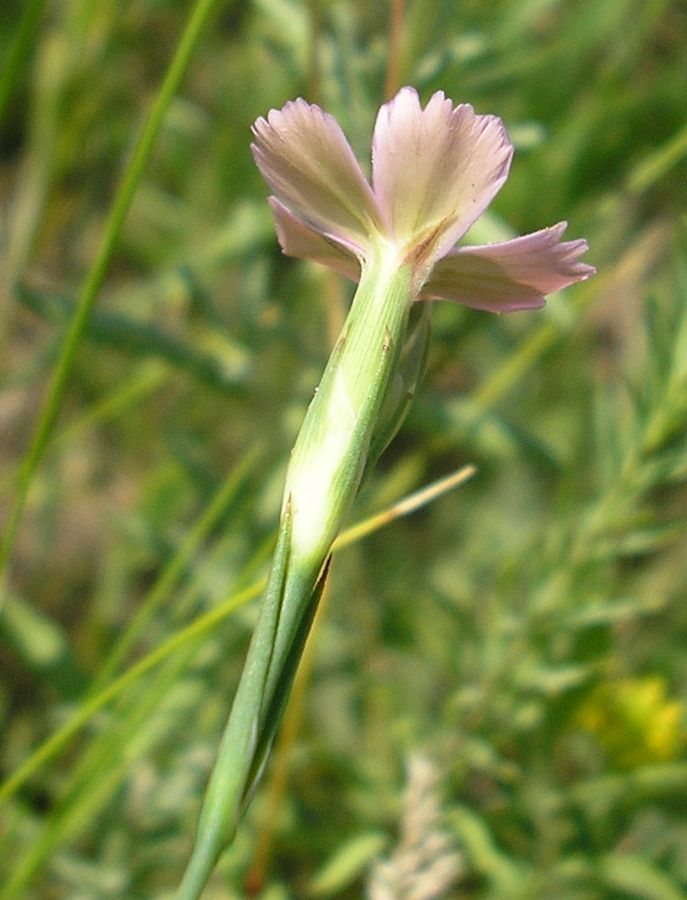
<point x="323" y="477"/>
<point x="19" y="51"/>
<point x="329" y="457"/>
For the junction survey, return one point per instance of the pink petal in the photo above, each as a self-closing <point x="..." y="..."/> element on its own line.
<point x="436" y="170"/>
<point x="513" y="275"/>
<point x="305" y="158"/>
<point x="296" y="239"/>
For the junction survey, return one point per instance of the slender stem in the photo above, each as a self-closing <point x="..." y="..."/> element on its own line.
<point x="393" y="67"/>
<point x="21" y="47"/>
<point x="230" y="776"/>
<point x="324" y="474"/>
<point x="96" y="276"/>
<point x="330" y="453"/>
<point x="255" y="879"/>
<point x="314" y="51"/>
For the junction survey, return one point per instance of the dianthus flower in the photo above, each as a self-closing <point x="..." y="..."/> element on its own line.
<point x="434" y="171"/>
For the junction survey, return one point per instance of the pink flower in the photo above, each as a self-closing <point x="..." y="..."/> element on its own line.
<point x="434" y="171"/>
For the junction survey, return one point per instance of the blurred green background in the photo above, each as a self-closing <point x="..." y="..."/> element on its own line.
<point x="523" y="637"/>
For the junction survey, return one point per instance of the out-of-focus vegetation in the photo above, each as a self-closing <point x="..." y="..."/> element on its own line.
<point x="524" y="636"/>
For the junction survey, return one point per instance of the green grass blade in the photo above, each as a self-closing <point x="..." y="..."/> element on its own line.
<point x="96" y="276"/>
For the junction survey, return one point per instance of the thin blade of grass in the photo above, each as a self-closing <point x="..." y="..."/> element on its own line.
<point x="96" y="276"/>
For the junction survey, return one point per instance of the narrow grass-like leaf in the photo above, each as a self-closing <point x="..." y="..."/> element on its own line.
<point x="93" y="283"/>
